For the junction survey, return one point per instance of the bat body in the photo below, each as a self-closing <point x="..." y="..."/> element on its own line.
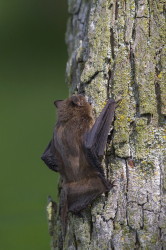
<point x="75" y="149"/>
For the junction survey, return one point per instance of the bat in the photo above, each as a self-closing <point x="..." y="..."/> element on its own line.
<point x="76" y="149"/>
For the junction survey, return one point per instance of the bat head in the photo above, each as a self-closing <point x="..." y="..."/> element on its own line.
<point x="76" y="105"/>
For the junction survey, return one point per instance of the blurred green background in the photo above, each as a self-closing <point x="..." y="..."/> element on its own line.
<point x="32" y="75"/>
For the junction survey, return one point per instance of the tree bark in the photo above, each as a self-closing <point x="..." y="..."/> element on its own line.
<point x="116" y="49"/>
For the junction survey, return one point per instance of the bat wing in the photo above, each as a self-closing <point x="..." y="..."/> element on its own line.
<point x="95" y="140"/>
<point x="49" y="156"/>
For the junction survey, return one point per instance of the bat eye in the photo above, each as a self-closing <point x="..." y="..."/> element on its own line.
<point x="77" y="101"/>
<point x="79" y="104"/>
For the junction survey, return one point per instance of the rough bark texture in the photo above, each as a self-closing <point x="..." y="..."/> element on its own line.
<point x="116" y="48"/>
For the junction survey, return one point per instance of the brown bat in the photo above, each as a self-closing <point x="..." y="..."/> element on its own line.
<point x="75" y="149"/>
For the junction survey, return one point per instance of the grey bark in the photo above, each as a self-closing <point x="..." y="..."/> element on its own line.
<point x="117" y="49"/>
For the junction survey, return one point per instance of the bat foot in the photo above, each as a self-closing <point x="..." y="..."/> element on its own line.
<point x="112" y="184"/>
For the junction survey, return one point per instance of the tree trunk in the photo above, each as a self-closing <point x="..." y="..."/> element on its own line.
<point x="116" y="49"/>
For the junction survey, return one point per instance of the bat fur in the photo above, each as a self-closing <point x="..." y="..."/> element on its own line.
<point x="75" y="149"/>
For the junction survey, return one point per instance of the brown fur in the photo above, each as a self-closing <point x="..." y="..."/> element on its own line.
<point x="82" y="179"/>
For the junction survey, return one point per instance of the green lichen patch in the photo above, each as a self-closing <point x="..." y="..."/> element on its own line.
<point x="78" y="233"/>
<point x="98" y="37"/>
<point x="161" y="79"/>
<point x="97" y="90"/>
<point x="164" y="174"/>
<point x="122" y="79"/>
<point x="134" y="215"/>
<point x="149" y="241"/>
<point x="144" y="138"/>
<point x="142" y="9"/>
<point x="129" y="20"/>
<point x="124" y="238"/>
<point x="147" y="167"/>
<point x="145" y="68"/>
<point x="150" y="235"/>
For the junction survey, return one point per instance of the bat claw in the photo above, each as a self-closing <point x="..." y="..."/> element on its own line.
<point x="118" y="102"/>
<point x="112" y="184"/>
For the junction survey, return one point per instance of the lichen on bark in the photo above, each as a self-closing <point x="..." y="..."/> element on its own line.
<point x="117" y="49"/>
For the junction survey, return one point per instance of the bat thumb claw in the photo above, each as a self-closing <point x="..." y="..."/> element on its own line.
<point x="112" y="184"/>
<point x="118" y="102"/>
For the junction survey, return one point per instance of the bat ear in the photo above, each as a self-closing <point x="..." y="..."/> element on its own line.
<point x="57" y="103"/>
<point x="78" y="100"/>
